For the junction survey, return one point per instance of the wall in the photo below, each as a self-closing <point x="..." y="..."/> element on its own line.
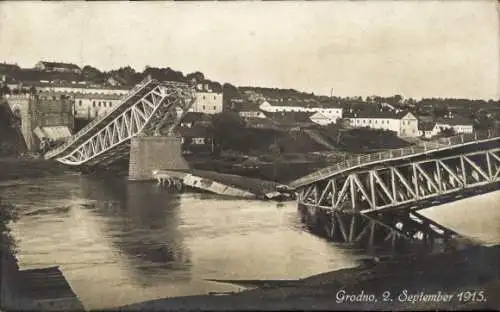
<point x="89" y="107"/>
<point x="377" y="123"/>
<point x="207" y="102"/>
<point x="154" y="153"/>
<point x="22" y="104"/>
<point x="332" y="113"/>
<point x="81" y="89"/>
<point x="41" y="110"/>
<point x="409" y="126"/>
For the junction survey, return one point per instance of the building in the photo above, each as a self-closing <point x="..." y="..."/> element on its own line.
<point x="458" y="123"/>
<point x="44" y="115"/>
<point x="57" y="67"/>
<point x="207" y="100"/>
<point x="249" y="110"/>
<point x="321" y="119"/>
<point x="196" y="140"/>
<point x="259" y="123"/>
<point x="79" y="88"/>
<point x="88" y="106"/>
<point x="290" y="118"/>
<point x="8" y="68"/>
<point x="332" y="113"/>
<point x="428" y="129"/>
<point x="192" y="119"/>
<point x="404" y="123"/>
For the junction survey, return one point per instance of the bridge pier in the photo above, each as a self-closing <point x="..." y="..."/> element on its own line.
<point x="148" y="153"/>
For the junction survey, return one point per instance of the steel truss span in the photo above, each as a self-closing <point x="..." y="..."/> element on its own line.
<point x="152" y="108"/>
<point x="357" y="206"/>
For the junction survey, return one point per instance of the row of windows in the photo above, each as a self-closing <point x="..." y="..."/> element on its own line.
<point x="204" y="97"/>
<point x="370" y="121"/>
<point x="204" y="107"/>
<point x="99" y="104"/>
<point x="404" y="122"/>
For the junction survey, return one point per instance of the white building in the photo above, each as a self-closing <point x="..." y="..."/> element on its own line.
<point x="78" y="88"/>
<point x="331" y="113"/>
<point x="405" y="124"/>
<point x="457" y="123"/>
<point x="428" y="129"/>
<point x="89" y="106"/>
<point x="207" y="101"/>
<point x="321" y="119"/>
<point x="252" y="114"/>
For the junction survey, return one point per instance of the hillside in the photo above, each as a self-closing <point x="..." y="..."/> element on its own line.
<point x="361" y="139"/>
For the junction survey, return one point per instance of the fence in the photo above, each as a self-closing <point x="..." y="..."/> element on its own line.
<point x="394" y="154"/>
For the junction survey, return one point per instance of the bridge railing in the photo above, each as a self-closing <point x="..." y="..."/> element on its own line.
<point x="395" y="153"/>
<point x="97" y="119"/>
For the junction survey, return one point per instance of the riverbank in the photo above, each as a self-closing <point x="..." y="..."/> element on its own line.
<point x="467" y="279"/>
<point x="17" y="168"/>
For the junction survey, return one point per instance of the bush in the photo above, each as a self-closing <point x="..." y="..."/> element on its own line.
<point x="8" y="214"/>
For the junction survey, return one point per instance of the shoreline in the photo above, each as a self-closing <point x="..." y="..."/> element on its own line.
<point x="423" y="282"/>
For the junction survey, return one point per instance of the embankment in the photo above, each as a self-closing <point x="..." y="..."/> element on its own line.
<point x="470" y="279"/>
<point x="14" y="168"/>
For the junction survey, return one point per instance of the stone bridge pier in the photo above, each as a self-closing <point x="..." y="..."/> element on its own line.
<point x="148" y="153"/>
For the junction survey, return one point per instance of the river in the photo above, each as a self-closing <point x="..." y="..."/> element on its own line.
<point x="118" y="243"/>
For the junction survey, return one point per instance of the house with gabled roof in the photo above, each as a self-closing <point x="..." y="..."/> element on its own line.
<point x="58" y="67"/>
<point x="458" y="123"/>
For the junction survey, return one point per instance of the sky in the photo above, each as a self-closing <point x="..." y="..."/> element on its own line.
<point x="413" y="48"/>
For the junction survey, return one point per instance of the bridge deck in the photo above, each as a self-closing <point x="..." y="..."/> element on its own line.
<point x="92" y="126"/>
<point x="396" y="154"/>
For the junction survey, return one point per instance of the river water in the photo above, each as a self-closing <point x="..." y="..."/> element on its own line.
<point x="119" y="243"/>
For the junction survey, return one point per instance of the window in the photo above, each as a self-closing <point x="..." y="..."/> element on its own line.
<point x="93" y="103"/>
<point x="110" y="104"/>
<point x="203" y="107"/>
<point x="364" y="121"/>
<point x="215" y="98"/>
<point x="80" y="102"/>
<point x="203" y="97"/>
<point x="215" y="107"/>
<point x="375" y="121"/>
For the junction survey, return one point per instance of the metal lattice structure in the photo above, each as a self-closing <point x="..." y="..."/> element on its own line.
<point x="349" y="203"/>
<point x="151" y="108"/>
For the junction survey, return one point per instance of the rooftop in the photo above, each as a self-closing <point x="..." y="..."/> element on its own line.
<point x="455" y="120"/>
<point x="426" y="126"/>
<point x="100" y="96"/>
<point x="195" y="116"/>
<point x="290" y="117"/>
<point x="60" y="65"/>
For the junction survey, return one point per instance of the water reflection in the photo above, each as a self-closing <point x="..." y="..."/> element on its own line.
<point x="143" y="222"/>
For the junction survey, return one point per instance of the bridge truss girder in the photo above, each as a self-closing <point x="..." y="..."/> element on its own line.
<point x="355" y="207"/>
<point x="152" y="112"/>
<point x="392" y="186"/>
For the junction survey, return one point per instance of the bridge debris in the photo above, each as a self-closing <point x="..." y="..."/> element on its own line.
<point x="225" y="184"/>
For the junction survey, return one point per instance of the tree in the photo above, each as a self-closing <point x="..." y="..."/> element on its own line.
<point x="155" y="73"/>
<point x="8" y="214"/>
<point x="4" y="90"/>
<point x="228" y="129"/>
<point x="92" y="74"/>
<point x="172" y="75"/>
<point x="126" y="74"/>
<point x="196" y="76"/>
